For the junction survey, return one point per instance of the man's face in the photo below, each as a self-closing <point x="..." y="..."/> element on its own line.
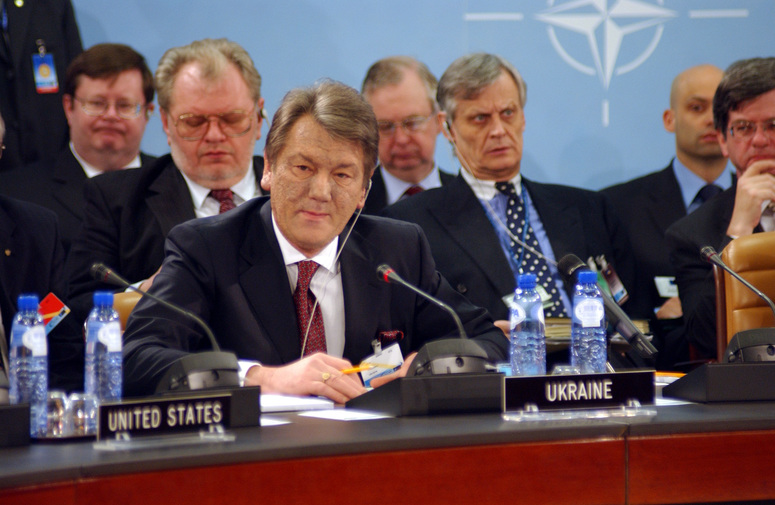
<point x="106" y="138"/>
<point x="487" y="131"/>
<point x="216" y="160"/>
<point x="743" y="152"/>
<point x="690" y="116"/>
<point x="316" y="184"/>
<point x="407" y="155"/>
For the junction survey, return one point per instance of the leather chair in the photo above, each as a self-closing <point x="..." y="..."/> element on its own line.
<point x="737" y="307"/>
<point x="123" y="303"/>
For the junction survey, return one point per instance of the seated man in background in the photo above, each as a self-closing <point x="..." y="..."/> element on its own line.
<point x="32" y="262"/>
<point x="744" y="118"/>
<point x="254" y="274"/>
<point x="210" y="101"/>
<point x="108" y="95"/>
<point x="648" y="205"/>
<point x="402" y="93"/>
<point x="479" y="225"/>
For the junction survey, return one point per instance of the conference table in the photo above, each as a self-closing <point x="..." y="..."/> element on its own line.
<point x="686" y="453"/>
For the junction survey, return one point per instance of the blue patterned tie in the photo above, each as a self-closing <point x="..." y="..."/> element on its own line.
<point x="531" y="263"/>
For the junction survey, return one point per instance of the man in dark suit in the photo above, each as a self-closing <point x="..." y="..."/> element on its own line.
<point x="289" y="283"/>
<point x="108" y="95"/>
<point x="210" y="101"/>
<point x="648" y="205"/>
<point x="40" y="34"/>
<point x="471" y="224"/>
<point x="402" y="92"/>
<point x="743" y="112"/>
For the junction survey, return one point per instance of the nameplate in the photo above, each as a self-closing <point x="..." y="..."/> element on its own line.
<point x="179" y="413"/>
<point x="551" y="392"/>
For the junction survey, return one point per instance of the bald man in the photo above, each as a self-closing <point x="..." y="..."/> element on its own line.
<point x="650" y="204"/>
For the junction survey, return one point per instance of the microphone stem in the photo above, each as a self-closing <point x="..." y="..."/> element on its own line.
<point x="441" y="304"/>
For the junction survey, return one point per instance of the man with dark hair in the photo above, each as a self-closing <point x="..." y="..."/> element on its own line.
<point x="108" y="95"/>
<point x="210" y="103"/>
<point x="402" y="92"/>
<point x="649" y="204"/>
<point x="289" y="282"/>
<point x="491" y="223"/>
<point x="744" y="118"/>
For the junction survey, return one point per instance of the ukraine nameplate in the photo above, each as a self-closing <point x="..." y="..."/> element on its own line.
<point x="579" y="391"/>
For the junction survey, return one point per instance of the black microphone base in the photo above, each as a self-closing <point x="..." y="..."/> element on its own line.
<point x="205" y="370"/>
<point x="438" y="394"/>
<point x="725" y="382"/>
<point x="750" y="346"/>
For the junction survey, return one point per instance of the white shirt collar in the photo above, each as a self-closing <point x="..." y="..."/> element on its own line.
<point x="395" y="187"/>
<point x="243" y="191"/>
<point x="92" y="171"/>
<point x="325" y="258"/>
<point x="485" y="190"/>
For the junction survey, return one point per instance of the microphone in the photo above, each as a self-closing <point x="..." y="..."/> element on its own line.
<point x="568" y="266"/>
<point x="196" y="371"/>
<point x="747" y="345"/>
<point x="445" y="356"/>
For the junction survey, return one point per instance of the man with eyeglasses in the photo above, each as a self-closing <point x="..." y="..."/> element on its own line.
<point x="108" y="95"/>
<point x="211" y="110"/>
<point x="648" y="205"/>
<point x="402" y="93"/>
<point x="478" y="223"/>
<point x="744" y="118"/>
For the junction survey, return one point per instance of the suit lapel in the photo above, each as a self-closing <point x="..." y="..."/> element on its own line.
<point x="464" y="219"/>
<point x="169" y="199"/>
<point x="68" y="180"/>
<point x="262" y="266"/>
<point x="562" y="222"/>
<point x="664" y="203"/>
<point x="18" y="24"/>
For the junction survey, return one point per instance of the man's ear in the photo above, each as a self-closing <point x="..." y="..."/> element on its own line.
<point x="668" y="120"/>
<point x="266" y="177"/>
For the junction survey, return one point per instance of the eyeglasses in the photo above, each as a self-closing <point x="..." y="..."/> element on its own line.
<point x="412" y="124"/>
<point x="743" y="129"/>
<point x="98" y="107"/>
<point x="233" y="124"/>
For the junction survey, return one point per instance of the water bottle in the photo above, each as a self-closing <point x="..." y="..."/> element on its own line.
<point x="103" y="374"/>
<point x="528" y="343"/>
<point x="588" y="344"/>
<point x="28" y="378"/>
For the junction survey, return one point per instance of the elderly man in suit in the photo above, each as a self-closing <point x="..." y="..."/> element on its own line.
<point x="648" y="205"/>
<point x="289" y="282"/>
<point x="211" y="110"/>
<point x="744" y="119"/>
<point x="108" y="95"/>
<point x="402" y="92"/>
<point x="491" y="223"/>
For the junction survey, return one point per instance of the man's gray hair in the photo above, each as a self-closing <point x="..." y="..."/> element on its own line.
<point x="213" y="56"/>
<point x="468" y="75"/>
<point x="744" y="80"/>
<point x="339" y="109"/>
<point x="391" y="70"/>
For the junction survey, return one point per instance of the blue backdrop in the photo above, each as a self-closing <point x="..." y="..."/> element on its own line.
<point x="598" y="71"/>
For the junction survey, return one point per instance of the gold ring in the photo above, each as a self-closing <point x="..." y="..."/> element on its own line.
<point x="325" y="376"/>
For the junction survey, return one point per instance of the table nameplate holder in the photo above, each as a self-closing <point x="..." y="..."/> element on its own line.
<point x="15" y="425"/>
<point x="628" y="394"/>
<point x="726" y="382"/>
<point x="194" y="417"/>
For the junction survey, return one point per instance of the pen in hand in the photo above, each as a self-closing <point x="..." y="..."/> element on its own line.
<point x="365" y="366"/>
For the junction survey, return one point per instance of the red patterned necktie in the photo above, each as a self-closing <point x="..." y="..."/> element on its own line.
<point x="412" y="190"/>
<point x="305" y="300"/>
<point x="225" y="197"/>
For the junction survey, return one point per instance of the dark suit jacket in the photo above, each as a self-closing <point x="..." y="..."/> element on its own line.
<point x="56" y="184"/>
<point x="35" y="123"/>
<point x="377" y="199"/>
<point x="705" y="226"/>
<point x="228" y="269"/>
<point x="467" y="250"/>
<point x="32" y="262"/>
<point x="127" y="216"/>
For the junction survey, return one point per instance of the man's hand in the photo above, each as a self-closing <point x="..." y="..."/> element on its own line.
<point x="754" y="187"/>
<point x="147" y="283"/>
<point x="671" y="309"/>
<point x="401" y="372"/>
<point x="317" y="375"/>
<point x="504" y="326"/>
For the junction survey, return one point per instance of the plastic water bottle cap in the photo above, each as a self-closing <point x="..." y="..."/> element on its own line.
<point x="103" y="298"/>
<point x="526" y="281"/>
<point x="587" y="277"/>
<point x="28" y="302"/>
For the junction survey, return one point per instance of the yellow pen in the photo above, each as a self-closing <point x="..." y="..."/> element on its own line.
<point x="363" y="367"/>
